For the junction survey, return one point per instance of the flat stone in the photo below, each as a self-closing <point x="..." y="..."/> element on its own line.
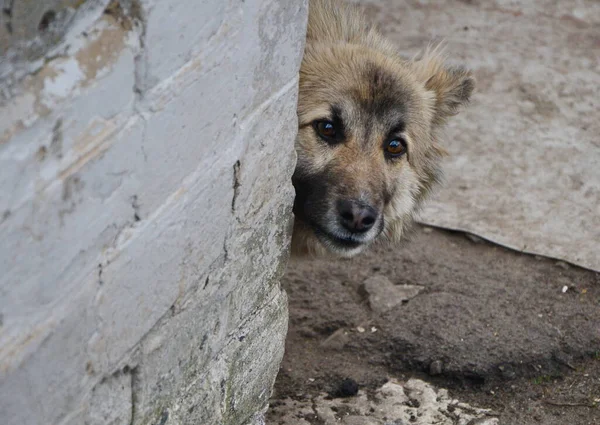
<point x="521" y="202"/>
<point x="384" y="295"/>
<point x="337" y="340"/>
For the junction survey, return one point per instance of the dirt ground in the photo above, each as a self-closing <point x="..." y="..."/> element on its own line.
<point x="506" y="331"/>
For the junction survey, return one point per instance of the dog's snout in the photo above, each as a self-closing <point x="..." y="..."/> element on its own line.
<point x="356" y="217"/>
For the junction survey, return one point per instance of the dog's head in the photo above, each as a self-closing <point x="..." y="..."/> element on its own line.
<point x="367" y="143"/>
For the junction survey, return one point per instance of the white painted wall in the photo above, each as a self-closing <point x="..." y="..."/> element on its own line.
<point x="145" y="204"/>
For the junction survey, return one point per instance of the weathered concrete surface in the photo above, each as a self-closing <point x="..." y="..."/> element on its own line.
<point x="524" y="169"/>
<point x="395" y="403"/>
<point x="142" y="239"/>
<point x="32" y="31"/>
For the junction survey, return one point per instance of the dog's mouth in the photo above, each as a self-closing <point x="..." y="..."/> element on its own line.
<point x="339" y="242"/>
<point x="342" y="243"/>
<point x="334" y="238"/>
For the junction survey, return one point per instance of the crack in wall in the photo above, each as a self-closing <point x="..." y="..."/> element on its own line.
<point x="135" y="390"/>
<point x="130" y="15"/>
<point x="236" y="184"/>
<point x="56" y="144"/>
<point x="139" y="18"/>
<point x="7" y="15"/>
<point x="136" y="208"/>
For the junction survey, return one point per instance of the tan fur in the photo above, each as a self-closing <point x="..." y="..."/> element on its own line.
<point x="349" y="67"/>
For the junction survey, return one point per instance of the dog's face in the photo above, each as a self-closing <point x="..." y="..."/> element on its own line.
<point x="366" y="145"/>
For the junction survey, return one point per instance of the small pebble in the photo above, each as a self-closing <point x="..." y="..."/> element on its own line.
<point x="473" y="238"/>
<point x="348" y="388"/>
<point x="360" y="329"/>
<point x="562" y="265"/>
<point x="565" y="289"/>
<point x="507" y="371"/>
<point x="373" y="329"/>
<point x="436" y="368"/>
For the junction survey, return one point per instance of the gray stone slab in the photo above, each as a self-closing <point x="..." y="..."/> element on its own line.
<point x="524" y="164"/>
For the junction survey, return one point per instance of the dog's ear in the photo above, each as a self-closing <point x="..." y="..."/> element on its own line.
<point x="451" y="87"/>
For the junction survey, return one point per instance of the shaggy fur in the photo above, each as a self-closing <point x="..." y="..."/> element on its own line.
<point x="353" y="80"/>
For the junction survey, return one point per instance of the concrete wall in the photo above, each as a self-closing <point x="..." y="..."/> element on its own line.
<point x="146" y="150"/>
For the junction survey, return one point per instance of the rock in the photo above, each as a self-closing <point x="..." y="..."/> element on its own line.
<point x="507" y="371"/>
<point x="383" y="295"/>
<point x="473" y="238"/>
<point x="436" y="368"/>
<point x="347" y="388"/>
<point x="337" y="340"/>
<point x="414" y="402"/>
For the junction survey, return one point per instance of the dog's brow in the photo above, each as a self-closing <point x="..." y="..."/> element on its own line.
<point x="397" y="129"/>
<point x="336" y="113"/>
<point x="336" y="117"/>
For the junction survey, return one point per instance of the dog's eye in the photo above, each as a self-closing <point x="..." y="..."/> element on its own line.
<point x="395" y="148"/>
<point x="326" y="130"/>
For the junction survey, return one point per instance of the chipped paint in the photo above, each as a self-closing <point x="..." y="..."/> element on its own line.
<point x="68" y="76"/>
<point x="103" y="50"/>
<point x="63" y="77"/>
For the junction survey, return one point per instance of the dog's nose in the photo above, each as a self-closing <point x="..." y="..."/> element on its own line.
<point x="357" y="217"/>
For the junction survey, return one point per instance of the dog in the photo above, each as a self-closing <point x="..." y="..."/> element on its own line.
<point x="368" y="149"/>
